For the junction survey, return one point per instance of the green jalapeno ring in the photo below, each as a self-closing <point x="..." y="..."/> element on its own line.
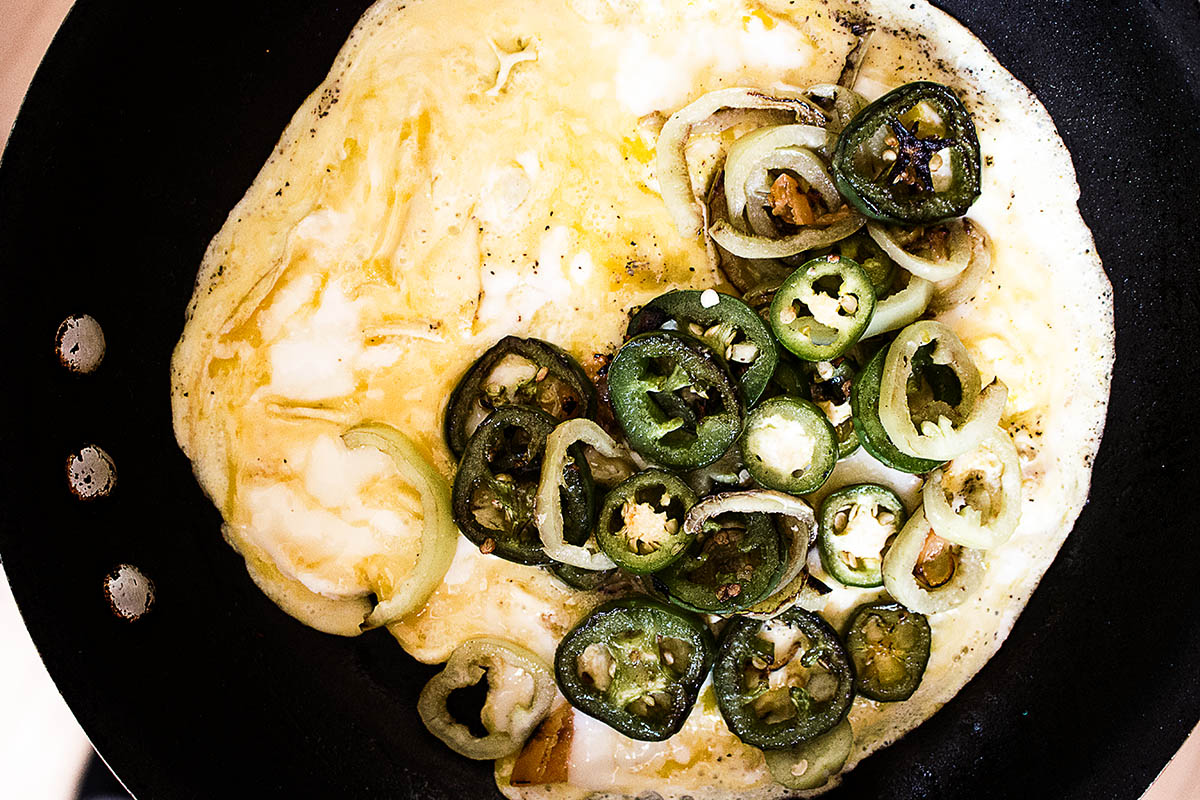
<point x="585" y="580"/>
<point x="864" y="403"/>
<point x="674" y="399"/>
<point x="828" y="384"/>
<point x="728" y="326"/>
<point x="818" y="685"/>
<point x="789" y="445"/>
<point x="885" y="510"/>
<point x="726" y="567"/>
<point x="904" y="193"/>
<point x="641" y="522"/>
<point x="635" y="664"/>
<point x="839" y="300"/>
<point x="864" y="251"/>
<point x="889" y="646"/>
<point x="497" y="479"/>
<point x="546" y="377"/>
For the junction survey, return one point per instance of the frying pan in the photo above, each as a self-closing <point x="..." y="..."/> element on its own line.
<point x="145" y="125"/>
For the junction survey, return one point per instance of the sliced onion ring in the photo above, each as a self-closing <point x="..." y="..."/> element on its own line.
<point x="901" y="559"/>
<point x="978" y="413"/>
<point x="549" y="501"/>
<point x="439" y="535"/>
<point x="902" y="308"/>
<point x="846" y="103"/>
<point x="969" y="527"/>
<point x="776" y="147"/>
<point x="670" y="164"/>
<point x="962" y="287"/>
<point x="958" y="243"/>
<point x="808" y="238"/>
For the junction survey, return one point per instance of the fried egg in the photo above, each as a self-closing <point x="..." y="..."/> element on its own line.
<point x="475" y="169"/>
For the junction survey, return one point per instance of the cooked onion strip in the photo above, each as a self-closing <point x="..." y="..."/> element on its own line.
<point x="549" y="501"/>
<point x="520" y="691"/>
<point x="841" y="102"/>
<point x="902" y="558"/>
<point x="776" y="147"/>
<point x="947" y="431"/>
<point x="439" y="535"/>
<point x="809" y="238"/>
<point x="962" y="287"/>
<point x="958" y="251"/>
<point x="969" y="503"/>
<point x="674" y="182"/>
<point x="902" y="308"/>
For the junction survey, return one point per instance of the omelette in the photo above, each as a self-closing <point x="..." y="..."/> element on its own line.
<point x="475" y="170"/>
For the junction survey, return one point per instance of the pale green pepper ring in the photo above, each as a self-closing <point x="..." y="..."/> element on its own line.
<point x="520" y="690"/>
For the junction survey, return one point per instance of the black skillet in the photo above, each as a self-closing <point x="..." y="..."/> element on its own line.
<point x="145" y="125"/>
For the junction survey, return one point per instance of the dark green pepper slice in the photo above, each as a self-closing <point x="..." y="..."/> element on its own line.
<point x="853" y="519"/>
<point x="497" y="481"/>
<point x="789" y="445"/>
<point x="636" y="665"/>
<point x="782" y="681"/>
<point x="641" y="522"/>
<point x="864" y="403"/>
<point x="517" y="371"/>
<point x="823" y="308"/>
<point x="586" y="580"/>
<point x="828" y="385"/>
<point x="675" y="400"/>
<point x="886" y="168"/>
<point x="733" y="561"/>
<point x="724" y="323"/>
<point x="889" y="646"/>
<point x="866" y="252"/>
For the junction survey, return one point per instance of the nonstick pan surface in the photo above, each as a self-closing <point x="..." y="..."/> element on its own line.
<point x="145" y="125"/>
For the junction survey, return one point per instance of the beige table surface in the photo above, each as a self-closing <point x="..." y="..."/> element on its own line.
<point x="42" y="748"/>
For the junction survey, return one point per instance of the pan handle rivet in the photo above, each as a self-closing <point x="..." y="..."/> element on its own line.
<point x="129" y="592"/>
<point x="80" y="343"/>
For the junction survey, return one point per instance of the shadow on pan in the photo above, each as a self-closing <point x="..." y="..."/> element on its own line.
<point x="145" y="125"/>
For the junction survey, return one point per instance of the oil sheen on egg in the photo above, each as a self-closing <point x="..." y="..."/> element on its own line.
<point x="475" y="169"/>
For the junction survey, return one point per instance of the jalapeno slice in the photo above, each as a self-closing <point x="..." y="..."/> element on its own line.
<point x="517" y="371"/>
<point x="867" y="253"/>
<point x="789" y="445"/>
<point x="782" y="681"/>
<point x="892" y="172"/>
<point x="636" y="665"/>
<point x="828" y="384"/>
<point x="930" y="401"/>
<point x="864" y="403"/>
<point x="675" y="400"/>
<point x="854" y="526"/>
<point x="497" y="481"/>
<point x="731" y="563"/>
<point x="810" y="765"/>
<point x="520" y="691"/>
<point x="585" y="580"/>
<point x="889" y="646"/>
<point x="641" y="522"/>
<point x="823" y="307"/>
<point x="725" y="324"/>
<point x="927" y="573"/>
